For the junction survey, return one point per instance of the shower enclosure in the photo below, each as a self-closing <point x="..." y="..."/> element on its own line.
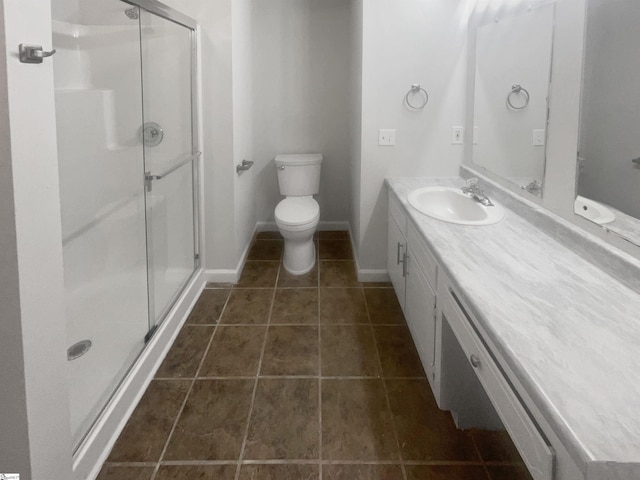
<point x="127" y="148"/>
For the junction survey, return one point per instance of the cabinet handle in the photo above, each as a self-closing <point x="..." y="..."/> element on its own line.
<point x="400" y="247"/>
<point x="405" y="265"/>
<point x="475" y="361"/>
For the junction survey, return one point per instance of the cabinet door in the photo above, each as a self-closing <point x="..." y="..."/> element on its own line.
<point x="396" y="249"/>
<point x="420" y="314"/>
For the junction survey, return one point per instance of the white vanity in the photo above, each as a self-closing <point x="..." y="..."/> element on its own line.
<point x="552" y="340"/>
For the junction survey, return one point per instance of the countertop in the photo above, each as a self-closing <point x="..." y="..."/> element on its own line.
<point x="568" y="330"/>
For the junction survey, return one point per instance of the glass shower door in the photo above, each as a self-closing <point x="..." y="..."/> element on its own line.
<point x="98" y="96"/>
<point x="170" y="159"/>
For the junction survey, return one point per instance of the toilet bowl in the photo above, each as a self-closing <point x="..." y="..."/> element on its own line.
<point x="297" y="216"/>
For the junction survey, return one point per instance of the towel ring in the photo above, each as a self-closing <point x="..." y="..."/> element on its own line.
<point x="416" y="88"/>
<point x="518" y="89"/>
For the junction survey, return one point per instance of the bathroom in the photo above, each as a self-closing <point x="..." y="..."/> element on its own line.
<point x="268" y="78"/>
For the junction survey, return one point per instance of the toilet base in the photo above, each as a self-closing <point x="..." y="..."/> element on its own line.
<point x="299" y="256"/>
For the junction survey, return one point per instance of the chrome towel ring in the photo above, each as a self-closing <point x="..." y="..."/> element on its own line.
<point x="517" y="89"/>
<point x="415" y="90"/>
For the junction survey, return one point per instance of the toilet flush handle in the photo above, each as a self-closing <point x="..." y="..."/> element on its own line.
<point x="280" y="167"/>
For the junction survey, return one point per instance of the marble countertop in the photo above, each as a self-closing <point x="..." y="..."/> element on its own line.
<point x="569" y="331"/>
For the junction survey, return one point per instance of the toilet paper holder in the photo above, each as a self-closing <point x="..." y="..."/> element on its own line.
<point x="244" y="166"/>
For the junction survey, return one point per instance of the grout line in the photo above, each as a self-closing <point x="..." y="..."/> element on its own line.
<point x="308" y="324"/>
<point x="178" y="463"/>
<point x="301" y="461"/>
<point x="386" y="391"/>
<point x="186" y="397"/>
<point x="257" y="377"/>
<point x="285" y="377"/>
<point x="320" y="439"/>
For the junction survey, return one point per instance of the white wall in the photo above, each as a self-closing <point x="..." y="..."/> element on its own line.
<point x="245" y="183"/>
<point x="34" y="409"/>
<point x="355" y="120"/>
<point x="301" y="69"/>
<point x="404" y="43"/>
<point x="611" y="102"/>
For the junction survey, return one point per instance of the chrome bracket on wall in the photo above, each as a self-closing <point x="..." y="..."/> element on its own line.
<point x="33" y="53"/>
<point x="244" y="166"/>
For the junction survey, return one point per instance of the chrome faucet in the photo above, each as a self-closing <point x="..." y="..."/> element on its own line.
<point x="472" y="188"/>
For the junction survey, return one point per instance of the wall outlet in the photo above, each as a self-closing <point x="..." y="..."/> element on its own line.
<point x="457" y="135"/>
<point x="387" y="137"/>
<point x="538" y="138"/>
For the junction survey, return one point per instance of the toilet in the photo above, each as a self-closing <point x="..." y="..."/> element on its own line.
<point x="298" y="214"/>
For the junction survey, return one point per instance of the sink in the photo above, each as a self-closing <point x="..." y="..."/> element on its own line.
<point x="594" y="211"/>
<point x="451" y="205"/>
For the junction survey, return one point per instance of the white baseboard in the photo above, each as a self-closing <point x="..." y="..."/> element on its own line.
<point x="323" y="226"/>
<point x="367" y="275"/>
<point x="95" y="449"/>
<point x="221" y="275"/>
<point x="333" y="226"/>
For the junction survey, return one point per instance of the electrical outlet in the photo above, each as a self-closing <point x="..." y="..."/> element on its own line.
<point x="457" y="135"/>
<point x="538" y="138"/>
<point x="387" y="137"/>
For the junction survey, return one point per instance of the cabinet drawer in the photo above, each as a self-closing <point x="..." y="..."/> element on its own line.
<point x="421" y="255"/>
<point x="525" y="433"/>
<point x="396" y="212"/>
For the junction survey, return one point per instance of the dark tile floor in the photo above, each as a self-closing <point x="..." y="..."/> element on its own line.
<point x="312" y="377"/>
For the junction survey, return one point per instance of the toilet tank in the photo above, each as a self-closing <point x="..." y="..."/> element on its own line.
<point x="299" y="174"/>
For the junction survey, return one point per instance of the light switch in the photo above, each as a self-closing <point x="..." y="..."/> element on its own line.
<point x="457" y="135"/>
<point x="538" y="138"/>
<point x="386" y="137"/>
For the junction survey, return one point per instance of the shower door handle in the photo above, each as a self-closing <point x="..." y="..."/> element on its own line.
<point x="33" y="53"/>
<point x="149" y="177"/>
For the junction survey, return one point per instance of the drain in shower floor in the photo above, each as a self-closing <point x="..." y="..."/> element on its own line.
<point x="78" y="349"/>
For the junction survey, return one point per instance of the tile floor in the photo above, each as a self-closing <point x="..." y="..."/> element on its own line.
<point x="312" y="377"/>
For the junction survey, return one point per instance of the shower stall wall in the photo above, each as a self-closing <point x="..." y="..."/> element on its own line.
<point x="127" y="148"/>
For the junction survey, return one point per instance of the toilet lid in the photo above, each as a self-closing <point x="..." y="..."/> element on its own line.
<point x="297" y="210"/>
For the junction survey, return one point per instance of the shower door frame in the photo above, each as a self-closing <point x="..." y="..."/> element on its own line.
<point x="163" y="11"/>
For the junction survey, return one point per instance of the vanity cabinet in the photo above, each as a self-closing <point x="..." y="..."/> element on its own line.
<point x="466" y="371"/>
<point x="413" y="273"/>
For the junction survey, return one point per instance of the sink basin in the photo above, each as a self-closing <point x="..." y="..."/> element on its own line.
<point x="451" y="205"/>
<point x="594" y="211"/>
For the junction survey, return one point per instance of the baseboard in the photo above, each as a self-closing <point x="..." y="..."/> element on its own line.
<point x="333" y="226"/>
<point x="95" y="449"/>
<point x="366" y="275"/>
<point x="221" y="275"/>
<point x="323" y="226"/>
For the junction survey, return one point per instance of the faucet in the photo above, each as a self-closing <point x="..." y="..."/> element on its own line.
<point x="472" y="188"/>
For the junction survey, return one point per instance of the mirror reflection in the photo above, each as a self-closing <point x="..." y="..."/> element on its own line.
<point x="512" y="74"/>
<point x="609" y="152"/>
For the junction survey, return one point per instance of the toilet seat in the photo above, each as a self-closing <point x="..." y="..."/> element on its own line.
<point x="297" y="212"/>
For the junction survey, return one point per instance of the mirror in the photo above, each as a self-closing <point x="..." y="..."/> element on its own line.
<point x="513" y="52"/>
<point x="608" y="172"/>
